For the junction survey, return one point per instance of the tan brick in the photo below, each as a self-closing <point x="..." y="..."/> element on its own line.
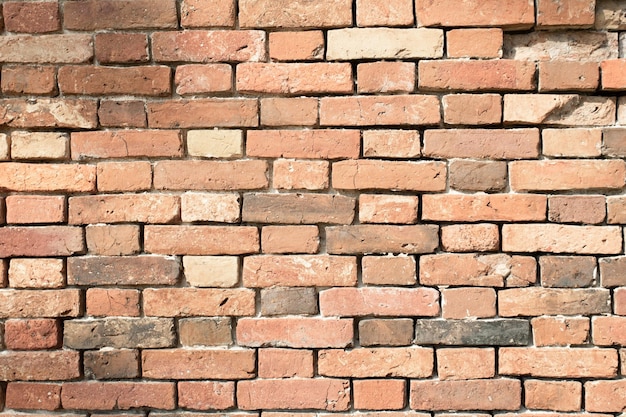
<point x="113" y="240"/>
<point x="586" y="209"/>
<point x="299" y="270"/>
<point x="203" y="113"/>
<point x="619" y="302"/>
<point x="495" y="394"/>
<point x="53" y="49"/>
<point x="378" y="208"/>
<point x="23" y="79"/>
<point x="386" y="332"/>
<point x="321" y="143"/>
<point x="215" y="143"/>
<point x="553" y="395"/>
<point x="568" y="76"/>
<point x="298" y="208"/>
<point x="29" y="209"/>
<point x="213" y="207"/>
<point x="116" y="14"/>
<point x="511" y="14"/>
<point x="210" y="175"/>
<point x="5" y="147"/>
<point x="398" y="239"/>
<point x="95" y="80"/>
<point x="36" y="273"/>
<point x="126" y="143"/>
<point x="49" y="112"/>
<point x="206" y="395"/>
<point x="145" y="208"/>
<point x="290" y="174"/>
<point x="605" y="396"/>
<point x="34" y="334"/>
<point x="561" y="239"/>
<point x="47" y="177"/>
<point x="289" y="111"/>
<point x="206" y="13"/>
<point x="43" y="241"/>
<point x="482" y="143"/>
<point x="616" y="207"/>
<point x="201" y="240"/>
<point x="296" y="332"/>
<point x="463" y="303"/>
<point x="537" y="301"/>
<point x="478" y="207"/>
<point x="472" y="109"/>
<point x="122" y="113"/>
<point x="124" y="176"/>
<point x="121" y="48"/>
<point x="565" y="46"/>
<point x="295" y="14"/>
<point x="611" y="271"/>
<point x="39" y="145"/>
<point x="297" y="46"/>
<point x="105" y="302"/>
<point x="33" y="396"/>
<point x="188" y="302"/>
<point x="487" y="176"/>
<point x="466" y="363"/>
<point x="350" y="302"/>
<point x="470" y="237"/>
<point x="290" y="239"/>
<point x="118" y="395"/>
<point x="201" y="79"/>
<point x="386" y="77"/>
<point x="111" y="364"/>
<point x="490" y="75"/>
<point x="391" y="143"/>
<point x="211" y="271"/>
<point x="568" y="271"/>
<point x="388" y="270"/>
<point x="384" y="13"/>
<point x="609" y="15"/>
<point x="614" y="142"/>
<point x="577" y="13"/>
<point x="474" y="43"/>
<point x="203" y="331"/>
<point x="285" y="363"/>
<point x="389" y="175"/>
<point x="577" y="142"/>
<point x="409" y="362"/>
<point x="198" y="364"/>
<point x="55" y="365"/>
<point x="379" y="394"/>
<point x="563" y="109"/>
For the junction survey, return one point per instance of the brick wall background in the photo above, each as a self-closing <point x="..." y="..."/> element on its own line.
<point x="312" y="208"/>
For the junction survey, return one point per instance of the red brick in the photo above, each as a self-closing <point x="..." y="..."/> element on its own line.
<point x="29" y="209"/>
<point x="36" y="17"/>
<point x="185" y="302"/>
<point x="466" y="363"/>
<point x="289" y="111"/>
<point x="511" y="14"/>
<point x="576" y="142"/>
<point x="479" y="207"/>
<point x="290" y="239"/>
<point x="33" y="396"/>
<point x="379" y="394"/>
<point x="350" y="302"/>
<point x="294" y="394"/>
<point x="576" y="13"/>
<point x="104" y="302"/>
<point x="295" y="14"/>
<point x="398" y="239"/>
<point x="210" y="175"/>
<point x="38" y="80"/>
<point x="206" y="13"/>
<point x="472" y="109"/>
<point x="297" y="46"/>
<point x="389" y="175"/>
<point x="209" y="46"/>
<point x="560" y="331"/>
<point x="378" y="208"/>
<point x="285" y="363"/>
<point x="409" y="362"/>
<point x="56" y="365"/>
<point x="462" y="303"/>
<point x="94" y="15"/>
<point x="588" y="209"/>
<point x="209" y="112"/>
<point x="49" y="112"/>
<point x="495" y="394"/>
<point x="388" y="270"/>
<point x="380" y="110"/>
<point x="41" y="241"/>
<point x="568" y="76"/>
<point x="474" y="43"/>
<point x="553" y="395"/>
<point x="481" y="237"/>
<point x="301" y="332"/>
<point x="122" y="113"/>
<point x="289" y="174"/>
<point x="44" y="49"/>
<point x="34" y="334"/>
<point x="206" y="395"/>
<point x="320" y="143"/>
<point x="201" y="240"/>
<point x="391" y="143"/>
<point x="121" y="48"/>
<point x="36" y="273"/>
<point x="112" y="240"/>
<point x="124" y="176"/>
<point x="122" y="208"/>
<point x="386" y="77"/>
<point x="502" y="75"/>
<point x="558" y="362"/>
<point x="200" y="79"/>
<point x="384" y="13"/>
<point x="605" y="396"/>
<point x="482" y="143"/>
<point x="198" y="364"/>
<point x="608" y="331"/>
<point x="118" y="395"/>
<point x="94" y="80"/>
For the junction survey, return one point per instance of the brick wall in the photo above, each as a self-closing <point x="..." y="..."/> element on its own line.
<point x="312" y="208"/>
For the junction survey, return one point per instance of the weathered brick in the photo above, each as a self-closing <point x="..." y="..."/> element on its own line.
<point x="558" y="362"/>
<point x="49" y="112"/>
<point x="577" y="142"/>
<point x="468" y="302"/>
<point x="511" y="14"/>
<point x="285" y="363"/>
<point x="619" y="303"/>
<point x="388" y="270"/>
<point x="33" y="334"/>
<point x="587" y="209"/>
<point x="115" y="48"/>
<point x="482" y="143"/>
<point x="379" y="394"/>
<point x="209" y="46"/>
<point x="386" y="332"/>
<point x="472" y="109"/>
<point x="487" y="176"/>
<point x="568" y="76"/>
<point x="126" y="143"/>
<point x="567" y="175"/>
<point x="563" y="109"/>
<point x="495" y="207"/>
<point x="564" y="46"/>
<point x="297" y="46"/>
<point x="614" y="142"/>
<point x="605" y="396"/>
<point x="482" y="237"/>
<point x="204" y="331"/>
<point x="474" y="43"/>
<point x="36" y="273"/>
<point x="608" y="331"/>
<point x="201" y="79"/>
<point x="616" y="206"/>
<point x="560" y="331"/>
<point x="385" y="175"/>
<point x="210" y="175"/>
<point x="503" y="75"/>
<point x="568" y="271"/>
<point x="39" y="145"/>
<point x="144" y="208"/>
<point x="324" y="143"/>
<point x="298" y="208"/>
<point x="350" y="302"/>
<point x="5" y="147"/>
<point x="41" y="241"/>
<point x="299" y="270"/>
<point x="391" y="143"/>
<point x="282" y="301"/>
<point x="538" y="301"/>
<point x="561" y="239"/>
<point x="578" y="13"/>
<point x="319" y="393"/>
<point x="289" y="111"/>
<point x="198" y="113"/>
<point x="211" y="271"/>
<point x="55" y="365"/>
<point x="31" y="209"/>
<point x="496" y="332"/>
<point x="185" y="302"/>
<point x="198" y="364"/>
<point x="553" y="395"/>
<point x="118" y="395"/>
<point x="95" y="80"/>
<point x="124" y="176"/>
<point x="203" y="13"/>
<point x="119" y="14"/>
<point x="611" y="271"/>
<point x="22" y="79"/>
<point x="289" y="174"/>
<point x="466" y="363"/>
<point x="290" y="239"/>
<point x="490" y="394"/>
<point x="201" y="240"/>
<point x="210" y="207"/>
<point x="46" y="49"/>
<point x="33" y="396"/>
<point x="398" y="239"/>
<point x="104" y="302"/>
<point x="206" y="395"/>
<point x="386" y="77"/>
<point x="122" y="113"/>
<point x="36" y="17"/>
<point x="112" y="240"/>
<point x="39" y="303"/>
<point x="30" y="177"/>
<point x="111" y="364"/>
<point x="409" y="362"/>
<point x="295" y="14"/>
<point x="377" y="208"/>
<point x="126" y="332"/>
<point x="384" y="13"/>
<point x="297" y="332"/>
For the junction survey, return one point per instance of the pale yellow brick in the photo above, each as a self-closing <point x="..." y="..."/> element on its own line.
<point x="4" y="146"/>
<point x="211" y="271"/>
<point x="216" y="143"/>
<point x="36" y="273"/>
<point x="39" y="145"/>
<point x="210" y="207"/>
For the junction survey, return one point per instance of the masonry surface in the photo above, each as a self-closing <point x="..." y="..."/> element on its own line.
<point x="329" y="208"/>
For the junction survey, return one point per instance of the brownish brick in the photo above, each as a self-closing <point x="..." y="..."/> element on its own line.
<point x="22" y="79"/>
<point x="472" y="109"/>
<point x="496" y="394"/>
<point x="206" y="13"/>
<point x="614" y="142"/>
<point x="94" y="15"/>
<point x="399" y="239"/>
<point x="128" y="270"/>
<point x="290" y="239"/>
<point x="289" y="111"/>
<point x="612" y="271"/>
<point x="588" y="209"/>
<point x="608" y="331"/>
<point x="487" y="176"/>
<point x="47" y="49"/>
<point x="201" y="240"/>
<point x="383" y="143"/>
<point x="112" y="240"/>
<point x="386" y="332"/>
<point x="298" y="208"/>
<point x="111" y="364"/>
<point x="204" y="331"/>
<point x="121" y="48"/>
<point x="208" y="112"/>
<point x="127" y="113"/>
<point x="118" y="395"/>
<point x="567" y="271"/>
<point x="389" y="270"/>
<point x="49" y="112"/>
<point x="122" y="208"/>
<point x="568" y="76"/>
<point x="35" y="17"/>
<point x="122" y="332"/>
<point x="198" y="364"/>
<point x="33" y="396"/>
<point x="55" y="365"/>
<point x="279" y="301"/>
<point x="184" y="302"/>
<point x="463" y="303"/>
<point x="94" y="80"/>
<point x="482" y="143"/>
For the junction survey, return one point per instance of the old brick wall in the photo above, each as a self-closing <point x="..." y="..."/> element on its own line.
<point x="375" y="208"/>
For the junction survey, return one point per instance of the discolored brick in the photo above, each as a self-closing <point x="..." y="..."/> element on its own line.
<point x="204" y="331"/>
<point x="386" y="332"/>
<point x="278" y="301"/>
<point x="111" y="364"/>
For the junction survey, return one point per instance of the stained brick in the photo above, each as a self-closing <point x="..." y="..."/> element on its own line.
<point x="497" y="332"/>
<point x="119" y="14"/>
<point x="119" y="333"/>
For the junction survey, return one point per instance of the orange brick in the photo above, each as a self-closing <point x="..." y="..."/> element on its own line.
<point x="321" y="270"/>
<point x="294" y="14"/>
<point x="351" y="302"/>
<point x="285" y="363"/>
<point x="472" y="109"/>
<point x="386" y="77"/>
<point x="379" y="394"/>
<point x="560" y="175"/>
<point x="553" y="395"/>
<point x="383" y="362"/>
<point x="568" y="76"/>
<point x="391" y="143"/>
<point x="613" y="77"/>
<point x="482" y="143"/>
<point x="511" y="14"/>
<point x="208" y="112"/>
<point x="201" y="240"/>
<point x="466" y="363"/>
<point x="210" y="175"/>
<point x="34" y="334"/>
<point x="36" y="17"/>
<point x="122" y="208"/>
<point x="556" y="238"/>
<point x="384" y="13"/>
<point x="492" y="207"/>
<point x="608" y="331"/>
<point x="576" y="142"/>
<point x="576" y="13"/>
<point x="292" y="111"/>
<point x="605" y="396"/>
<point x="297" y="46"/>
<point x="292" y="174"/>
<point x="378" y="208"/>
<point x="207" y="13"/>
<point x="206" y="395"/>
<point x="389" y="270"/>
<point x="560" y="331"/>
<point x="462" y="303"/>
<point x="124" y="176"/>
<point x="30" y="209"/>
<point x="105" y="302"/>
<point x="186" y="302"/>
<point x="198" y="364"/>
<point x="503" y="75"/>
<point x="394" y="175"/>
<point x="121" y="48"/>
<point x="474" y="43"/>
<point x="126" y="143"/>
<point x="201" y="79"/>
<point x="290" y="239"/>
<point x="22" y="79"/>
<point x="296" y="332"/>
<point x="319" y="143"/>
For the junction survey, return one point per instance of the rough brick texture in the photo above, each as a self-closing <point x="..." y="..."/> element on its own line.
<point x="312" y="208"/>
